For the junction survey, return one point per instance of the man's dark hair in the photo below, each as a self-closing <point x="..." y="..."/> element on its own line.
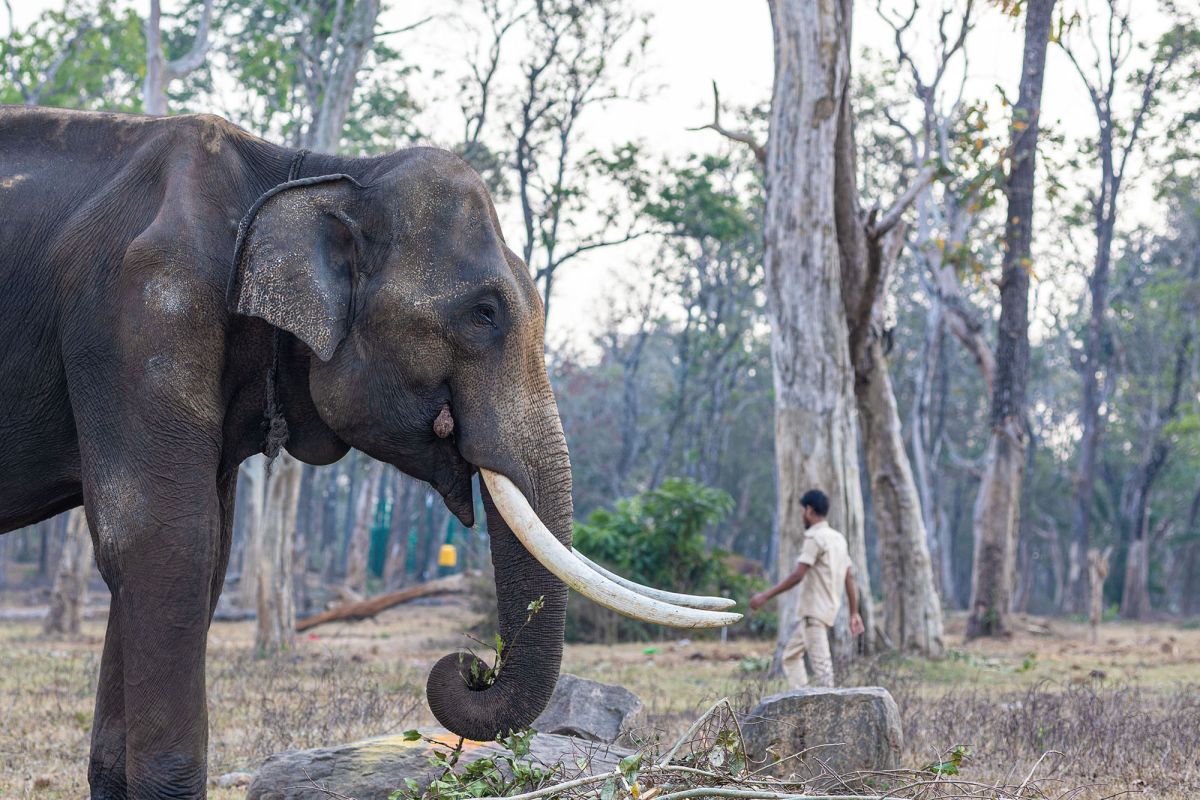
<point x="817" y="501"/>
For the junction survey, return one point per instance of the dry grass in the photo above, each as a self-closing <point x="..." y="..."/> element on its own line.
<point x="1122" y="712"/>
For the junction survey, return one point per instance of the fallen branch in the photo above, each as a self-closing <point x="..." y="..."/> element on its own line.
<point x="365" y="609"/>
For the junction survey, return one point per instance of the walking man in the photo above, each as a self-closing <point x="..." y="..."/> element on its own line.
<point x="822" y="570"/>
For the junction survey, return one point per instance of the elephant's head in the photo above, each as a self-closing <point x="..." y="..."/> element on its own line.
<point x="427" y="353"/>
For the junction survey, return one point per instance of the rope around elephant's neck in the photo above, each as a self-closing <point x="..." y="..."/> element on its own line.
<point x="274" y="423"/>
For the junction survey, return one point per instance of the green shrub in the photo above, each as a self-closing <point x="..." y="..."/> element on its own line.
<point x="657" y="538"/>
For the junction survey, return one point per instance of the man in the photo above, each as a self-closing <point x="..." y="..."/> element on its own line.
<point x="822" y="569"/>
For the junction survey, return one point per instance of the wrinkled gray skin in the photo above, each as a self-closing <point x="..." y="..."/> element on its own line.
<point x="134" y="380"/>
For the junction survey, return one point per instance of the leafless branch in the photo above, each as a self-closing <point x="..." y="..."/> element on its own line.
<point x="406" y="28"/>
<point x="744" y="137"/>
<point x="888" y="219"/>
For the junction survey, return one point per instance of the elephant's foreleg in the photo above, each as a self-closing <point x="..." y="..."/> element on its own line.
<point x="106" y="769"/>
<point x="160" y="544"/>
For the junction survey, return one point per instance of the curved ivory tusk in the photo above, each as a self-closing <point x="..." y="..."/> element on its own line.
<point x="688" y="600"/>
<point x="550" y="552"/>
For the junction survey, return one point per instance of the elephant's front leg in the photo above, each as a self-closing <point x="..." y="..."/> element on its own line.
<point x="159" y="550"/>
<point x="106" y="768"/>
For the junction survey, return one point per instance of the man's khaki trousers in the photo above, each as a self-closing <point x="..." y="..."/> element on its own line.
<point x="808" y="636"/>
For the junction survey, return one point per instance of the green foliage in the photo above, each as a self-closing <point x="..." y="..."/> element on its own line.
<point x="481" y="676"/>
<point x="278" y="56"/>
<point x="657" y="538"/>
<point x="512" y="772"/>
<point x="89" y="54"/>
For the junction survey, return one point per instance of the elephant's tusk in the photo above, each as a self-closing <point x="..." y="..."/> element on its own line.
<point x="688" y="600"/>
<point x="593" y="585"/>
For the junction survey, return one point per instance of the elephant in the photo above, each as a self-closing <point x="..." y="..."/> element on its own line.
<point x="178" y="295"/>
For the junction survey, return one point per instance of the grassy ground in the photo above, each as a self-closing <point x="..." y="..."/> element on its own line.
<point x="1125" y="713"/>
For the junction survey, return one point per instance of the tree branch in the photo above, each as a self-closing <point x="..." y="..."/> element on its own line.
<point x="744" y="137"/>
<point x="194" y="58"/>
<point x="888" y="219"/>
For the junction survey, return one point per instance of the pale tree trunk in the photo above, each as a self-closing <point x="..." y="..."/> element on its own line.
<point x="254" y="476"/>
<point x="868" y="246"/>
<point x="332" y="82"/>
<point x="70" y="581"/>
<point x="360" y="538"/>
<point x="912" y="615"/>
<point x="159" y="71"/>
<point x="1097" y="572"/>
<point x="998" y="505"/>
<point x="304" y="520"/>
<point x="397" y="553"/>
<point x="275" y="631"/>
<point x="816" y="426"/>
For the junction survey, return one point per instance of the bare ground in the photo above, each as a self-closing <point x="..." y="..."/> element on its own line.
<point x="1125" y="713"/>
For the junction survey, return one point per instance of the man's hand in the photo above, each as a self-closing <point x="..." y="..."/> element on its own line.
<point x="758" y="601"/>
<point x="856" y="624"/>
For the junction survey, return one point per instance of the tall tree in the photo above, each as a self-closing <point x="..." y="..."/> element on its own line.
<point x="1108" y="41"/>
<point x="160" y="71"/>
<point x="816" y="425"/>
<point x="275" y="618"/>
<point x="998" y="504"/>
<point x="1156" y="318"/>
<point x="69" y="594"/>
<point x="868" y="244"/>
<point x="577" y="55"/>
<point x="331" y="45"/>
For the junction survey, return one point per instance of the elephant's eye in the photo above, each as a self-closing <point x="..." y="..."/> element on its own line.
<point x="484" y="315"/>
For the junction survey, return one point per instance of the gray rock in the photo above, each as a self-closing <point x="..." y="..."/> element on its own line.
<point x="374" y="768"/>
<point x="584" y="709"/>
<point x="863" y="723"/>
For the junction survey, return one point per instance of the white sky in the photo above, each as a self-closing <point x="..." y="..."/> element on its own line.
<point x="694" y="42"/>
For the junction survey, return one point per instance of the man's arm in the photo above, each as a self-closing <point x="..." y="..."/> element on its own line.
<point x="759" y="600"/>
<point x="856" y="623"/>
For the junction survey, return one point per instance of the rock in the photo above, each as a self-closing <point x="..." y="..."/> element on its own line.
<point x="863" y="722"/>
<point x="374" y="768"/>
<point x="584" y="709"/>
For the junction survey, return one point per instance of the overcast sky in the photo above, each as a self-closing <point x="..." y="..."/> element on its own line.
<point x="694" y="42"/>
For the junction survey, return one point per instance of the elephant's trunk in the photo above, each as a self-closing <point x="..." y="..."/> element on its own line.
<point x="532" y="647"/>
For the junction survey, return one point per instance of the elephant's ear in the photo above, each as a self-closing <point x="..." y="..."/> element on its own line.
<point x="295" y="258"/>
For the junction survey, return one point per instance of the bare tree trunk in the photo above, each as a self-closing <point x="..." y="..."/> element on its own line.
<point x="253" y="473"/>
<point x="360" y="538"/>
<point x="159" y="71"/>
<point x="912" y="617"/>
<point x="1097" y="572"/>
<point x="276" y="618"/>
<point x="868" y="245"/>
<point x="70" y="581"/>
<point x="998" y="505"/>
<point x="394" y="566"/>
<point x="816" y="426"/>
<point x="338" y="81"/>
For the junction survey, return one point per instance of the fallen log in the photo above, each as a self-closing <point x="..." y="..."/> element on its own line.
<point x="365" y="609"/>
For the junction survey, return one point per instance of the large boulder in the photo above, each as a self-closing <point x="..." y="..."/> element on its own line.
<point x="852" y="729"/>
<point x="584" y="709"/>
<point x="374" y="768"/>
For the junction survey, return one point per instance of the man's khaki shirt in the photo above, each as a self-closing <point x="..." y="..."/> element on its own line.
<point x="828" y="557"/>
